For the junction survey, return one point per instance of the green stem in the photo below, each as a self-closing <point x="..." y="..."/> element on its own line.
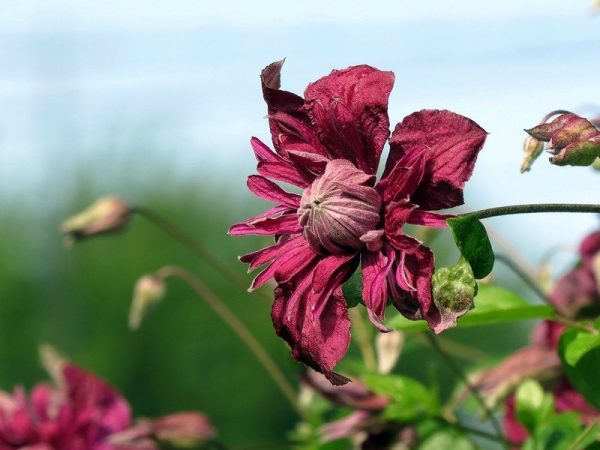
<point x="363" y="339"/>
<point x="179" y="235"/>
<point x="462" y="377"/>
<point x="534" y="208"/>
<point x="584" y="433"/>
<point x="238" y="328"/>
<point x="543" y="295"/>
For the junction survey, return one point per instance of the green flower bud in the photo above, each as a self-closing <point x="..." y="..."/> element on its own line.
<point x="454" y="288"/>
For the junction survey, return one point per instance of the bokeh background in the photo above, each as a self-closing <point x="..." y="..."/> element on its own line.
<point x="156" y="102"/>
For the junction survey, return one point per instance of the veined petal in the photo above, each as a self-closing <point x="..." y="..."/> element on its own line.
<point x="296" y="135"/>
<point x="284" y="224"/>
<point x="318" y="344"/>
<point x="418" y="270"/>
<point x="428" y="218"/>
<point x="348" y="109"/>
<point x="264" y="255"/>
<point x="273" y="166"/>
<point x="268" y="190"/>
<point x="451" y="143"/>
<point x="329" y="275"/>
<point x="403" y="180"/>
<point x="279" y="101"/>
<point x="375" y="267"/>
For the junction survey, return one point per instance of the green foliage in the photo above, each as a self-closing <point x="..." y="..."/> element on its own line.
<point x="410" y="399"/>
<point x="580" y="357"/>
<point x="493" y="305"/>
<point x="447" y="439"/>
<point x="533" y="405"/>
<point x="555" y="433"/>
<point x="473" y="242"/>
<point x="578" y="343"/>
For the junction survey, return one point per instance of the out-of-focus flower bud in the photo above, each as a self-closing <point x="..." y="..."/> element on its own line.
<point x="149" y="290"/>
<point x="532" y="148"/>
<point x="105" y="215"/>
<point x="355" y="395"/>
<point x="388" y="346"/>
<point x="184" y="429"/>
<point x="572" y="140"/>
<point x="453" y="290"/>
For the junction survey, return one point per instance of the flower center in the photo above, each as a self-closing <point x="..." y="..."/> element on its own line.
<point x="340" y="211"/>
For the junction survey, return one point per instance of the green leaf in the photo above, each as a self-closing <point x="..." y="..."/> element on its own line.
<point x="473" y="242"/>
<point x="410" y="399"/>
<point x="447" y="439"/>
<point x="581" y="343"/>
<point x="557" y="433"/>
<point x="352" y="290"/>
<point x="583" y="374"/>
<point x="534" y="406"/>
<point x="493" y="305"/>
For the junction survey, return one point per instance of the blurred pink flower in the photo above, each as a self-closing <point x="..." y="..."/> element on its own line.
<point x="329" y="144"/>
<point x="79" y="411"/>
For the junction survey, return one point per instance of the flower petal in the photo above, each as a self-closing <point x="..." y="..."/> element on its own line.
<point x="375" y="267"/>
<point x="451" y="142"/>
<point x="428" y="219"/>
<point x="348" y="109"/>
<point x="284" y="224"/>
<point x="278" y="100"/>
<point x="268" y="190"/>
<point x="418" y="270"/>
<point x="264" y="255"/>
<point x="273" y="166"/>
<point x="318" y="344"/>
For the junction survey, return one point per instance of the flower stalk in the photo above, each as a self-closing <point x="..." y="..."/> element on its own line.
<point x="533" y="209"/>
<point x="217" y="305"/>
<point x="179" y="235"/>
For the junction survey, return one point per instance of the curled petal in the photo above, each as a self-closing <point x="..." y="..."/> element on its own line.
<point x="451" y="143"/>
<point x="428" y="218"/>
<point x="268" y="190"/>
<point x="375" y="267"/>
<point x="273" y="166"/>
<point x="260" y="225"/>
<point x="318" y="344"/>
<point x="348" y="109"/>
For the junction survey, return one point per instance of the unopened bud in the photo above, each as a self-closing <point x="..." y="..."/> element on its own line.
<point x="454" y="288"/>
<point x="184" y="429"/>
<point x="105" y="215"/>
<point x="532" y="148"/>
<point x="149" y="290"/>
<point x="389" y="346"/>
<point x="572" y="140"/>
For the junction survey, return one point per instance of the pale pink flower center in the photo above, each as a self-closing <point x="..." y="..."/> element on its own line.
<point x="340" y="211"/>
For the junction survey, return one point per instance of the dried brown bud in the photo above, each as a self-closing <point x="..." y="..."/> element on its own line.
<point x="388" y="346"/>
<point x="105" y="215"/>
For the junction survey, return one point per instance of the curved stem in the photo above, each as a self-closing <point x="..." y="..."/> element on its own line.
<point x="558" y="317"/>
<point x="577" y="442"/>
<point x="238" y="328"/>
<point x="534" y="208"/>
<point x="462" y="377"/>
<point x="530" y="282"/>
<point x="179" y="235"/>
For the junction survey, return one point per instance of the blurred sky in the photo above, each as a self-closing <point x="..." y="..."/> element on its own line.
<point x="177" y="82"/>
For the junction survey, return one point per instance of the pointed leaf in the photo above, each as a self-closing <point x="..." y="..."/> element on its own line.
<point x="473" y="242"/>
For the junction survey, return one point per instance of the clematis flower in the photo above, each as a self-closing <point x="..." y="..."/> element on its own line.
<point x="78" y="411"/>
<point x="329" y="144"/>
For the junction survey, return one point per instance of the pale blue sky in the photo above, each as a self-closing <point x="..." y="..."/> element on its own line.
<point x="178" y="81"/>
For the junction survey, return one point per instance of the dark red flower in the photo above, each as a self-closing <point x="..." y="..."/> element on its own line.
<point x="79" y="411"/>
<point x="329" y="144"/>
